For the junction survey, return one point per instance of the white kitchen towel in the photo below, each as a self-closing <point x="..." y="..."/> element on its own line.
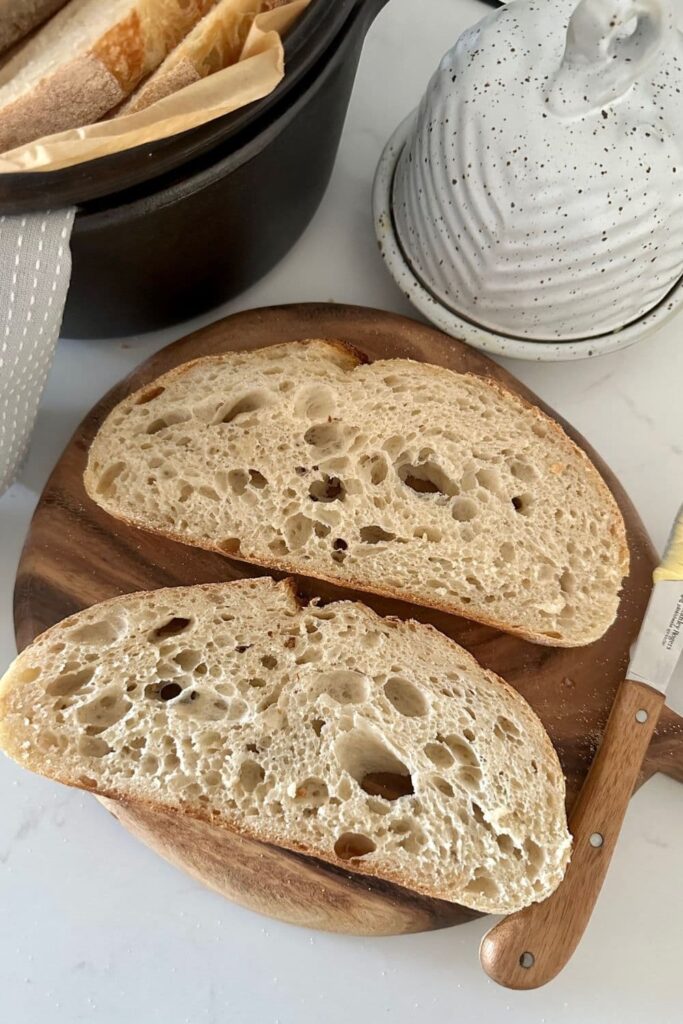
<point x="35" y="268"/>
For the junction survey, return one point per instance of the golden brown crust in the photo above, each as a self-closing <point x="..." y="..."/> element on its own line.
<point x="122" y="52"/>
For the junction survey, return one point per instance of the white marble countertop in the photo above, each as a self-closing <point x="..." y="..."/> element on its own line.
<point x="96" y="928"/>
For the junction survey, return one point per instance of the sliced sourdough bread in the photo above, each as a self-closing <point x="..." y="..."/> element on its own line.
<point x="19" y="17"/>
<point x="364" y="741"/>
<point x="85" y="61"/>
<point x="214" y="43"/>
<point x="396" y="477"/>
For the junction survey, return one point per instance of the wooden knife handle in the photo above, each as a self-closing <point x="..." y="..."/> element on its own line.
<point x="529" y="948"/>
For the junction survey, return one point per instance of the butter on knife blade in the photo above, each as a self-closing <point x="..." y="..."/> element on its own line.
<point x="660" y="641"/>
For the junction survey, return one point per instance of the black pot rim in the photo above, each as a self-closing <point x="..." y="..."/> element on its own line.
<point x="129" y="208"/>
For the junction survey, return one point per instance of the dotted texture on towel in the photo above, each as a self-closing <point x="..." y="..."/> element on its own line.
<point x="35" y="268"/>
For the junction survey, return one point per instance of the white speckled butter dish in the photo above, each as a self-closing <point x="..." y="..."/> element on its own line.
<point x="458" y="326"/>
<point x="534" y="204"/>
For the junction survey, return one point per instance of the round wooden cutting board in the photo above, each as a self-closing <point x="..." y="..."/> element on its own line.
<point x="76" y="555"/>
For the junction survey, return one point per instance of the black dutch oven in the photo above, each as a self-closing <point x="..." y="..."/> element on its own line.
<point x="169" y="230"/>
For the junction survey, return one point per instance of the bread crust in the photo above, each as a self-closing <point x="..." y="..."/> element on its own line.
<point x="352" y="357"/>
<point x="214" y="43"/>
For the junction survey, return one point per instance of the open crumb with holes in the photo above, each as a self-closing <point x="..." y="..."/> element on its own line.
<point x="364" y="741"/>
<point x="396" y="477"/>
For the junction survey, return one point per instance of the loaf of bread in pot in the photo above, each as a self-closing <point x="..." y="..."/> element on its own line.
<point x="395" y="477"/>
<point x="213" y="44"/>
<point x="364" y="741"/>
<point x="85" y="61"/>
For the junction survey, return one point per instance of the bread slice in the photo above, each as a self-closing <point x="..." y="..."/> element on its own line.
<point x="85" y="61"/>
<point x="19" y="17"/>
<point x="364" y="741"/>
<point x="214" y="43"/>
<point x="396" y="477"/>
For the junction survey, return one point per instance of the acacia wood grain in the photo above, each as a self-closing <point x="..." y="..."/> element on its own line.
<point x="75" y="554"/>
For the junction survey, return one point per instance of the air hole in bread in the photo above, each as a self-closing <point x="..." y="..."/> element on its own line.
<point x="439" y="755"/>
<point x="328" y="488"/>
<point x="107" y="709"/>
<point x="427" y="478"/>
<point x="342" y="686"/>
<point x="169" y="691"/>
<point x="312" y="792"/>
<point x="237" y="481"/>
<point x="375" y="467"/>
<point x="505" y="729"/>
<point x="375" y="535"/>
<point x="269" y="661"/>
<point x="464" y="510"/>
<point x="105" y="484"/>
<point x="315" y="403"/>
<point x="237" y="411"/>
<point x="48" y="740"/>
<point x="489" y="479"/>
<point x="483" y="885"/>
<point x="377" y="806"/>
<point x="339" y="547"/>
<point x="321" y="530"/>
<point x="522" y="504"/>
<point x="405" y="697"/>
<point x="209" y="492"/>
<point x="96" y="633"/>
<point x="428" y="533"/>
<point x="257" y="479"/>
<point x="70" y="683"/>
<point x="187" y="659"/>
<point x="30" y="673"/>
<point x="93" y="746"/>
<point x="442" y="785"/>
<point x="150" y="395"/>
<point x="412" y="837"/>
<point x="298" y="529"/>
<point x="230" y="546"/>
<point x="173" y="627"/>
<point x="535" y="854"/>
<point x="169" y="419"/>
<point x="567" y="582"/>
<point x="308" y="656"/>
<point x="461" y="750"/>
<point x="325" y="436"/>
<point x="505" y="843"/>
<point x="352" y="845"/>
<point x="251" y="773"/>
<point x="523" y="471"/>
<point x="318" y="725"/>
<point x="376" y="769"/>
<point x="469" y="778"/>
